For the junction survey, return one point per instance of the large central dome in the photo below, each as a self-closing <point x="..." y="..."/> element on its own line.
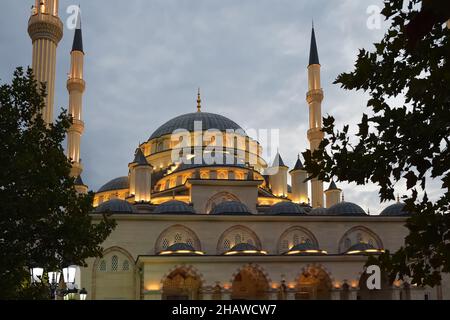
<point x="186" y="121"/>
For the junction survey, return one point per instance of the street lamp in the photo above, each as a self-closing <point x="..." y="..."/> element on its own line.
<point x="36" y="274"/>
<point x="83" y="294"/>
<point x="54" y="277"/>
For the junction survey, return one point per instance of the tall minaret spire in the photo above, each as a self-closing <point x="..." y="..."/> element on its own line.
<point x="46" y="30"/>
<point x="314" y="98"/>
<point x="199" y="101"/>
<point x="76" y="87"/>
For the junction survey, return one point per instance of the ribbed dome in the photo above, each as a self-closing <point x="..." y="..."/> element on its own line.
<point x="115" y="205"/>
<point x="186" y="122"/>
<point x="231" y="208"/>
<point x="346" y="209"/>
<point x="115" y="184"/>
<point x="174" y="206"/>
<point x="318" y="212"/>
<point x="395" y="210"/>
<point x="287" y="208"/>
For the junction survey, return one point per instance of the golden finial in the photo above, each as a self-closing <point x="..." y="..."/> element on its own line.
<point x="398" y="198"/>
<point x="199" y="101"/>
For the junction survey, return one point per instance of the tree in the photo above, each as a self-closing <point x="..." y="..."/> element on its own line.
<point x="43" y="220"/>
<point x="401" y="141"/>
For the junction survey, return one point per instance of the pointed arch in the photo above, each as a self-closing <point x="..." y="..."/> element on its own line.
<point x="357" y="234"/>
<point x="103" y="280"/>
<point x="218" y="198"/>
<point x="176" y="233"/>
<point x="229" y="237"/>
<point x="288" y="237"/>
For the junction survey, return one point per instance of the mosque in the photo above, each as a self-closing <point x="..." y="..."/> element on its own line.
<point x="196" y="229"/>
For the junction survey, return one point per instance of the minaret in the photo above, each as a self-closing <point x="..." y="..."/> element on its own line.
<point x="299" y="185"/>
<point x="76" y="87"/>
<point x="314" y="98"/>
<point x="45" y="30"/>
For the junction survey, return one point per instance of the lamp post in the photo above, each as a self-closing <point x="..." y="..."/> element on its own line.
<point x="69" y="273"/>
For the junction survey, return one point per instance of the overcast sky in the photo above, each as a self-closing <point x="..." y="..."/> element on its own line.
<point x="146" y="58"/>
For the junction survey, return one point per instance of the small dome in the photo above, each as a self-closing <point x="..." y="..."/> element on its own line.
<point x="245" y="249"/>
<point x="305" y="248"/>
<point x="115" y="205"/>
<point x="180" y="249"/>
<point x="115" y="184"/>
<point x="231" y="208"/>
<point x="174" y="206"/>
<point x="346" y="209"/>
<point x="286" y="208"/>
<point x="319" y="212"/>
<point x="395" y="210"/>
<point x="363" y="248"/>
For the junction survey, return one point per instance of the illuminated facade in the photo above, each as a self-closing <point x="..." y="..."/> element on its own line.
<point x="231" y="229"/>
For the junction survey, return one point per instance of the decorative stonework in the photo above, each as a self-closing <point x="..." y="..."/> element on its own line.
<point x="44" y="26"/>
<point x="235" y="233"/>
<point x="177" y="234"/>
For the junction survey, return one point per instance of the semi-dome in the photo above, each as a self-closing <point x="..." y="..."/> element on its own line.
<point x="115" y="184"/>
<point x="318" y="212"/>
<point x="174" y="206"/>
<point x="286" y="208"/>
<point x="116" y="206"/>
<point x="231" y="208"/>
<point x="186" y="122"/>
<point x="346" y="209"/>
<point x="395" y="210"/>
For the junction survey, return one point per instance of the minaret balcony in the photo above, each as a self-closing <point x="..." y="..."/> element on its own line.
<point x="75" y="84"/>
<point x="45" y="26"/>
<point x="77" y="126"/>
<point x="315" y="95"/>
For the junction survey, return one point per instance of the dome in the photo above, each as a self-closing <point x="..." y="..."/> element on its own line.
<point x="319" y="212"/>
<point x="180" y="249"/>
<point x="231" y="208"/>
<point x="115" y="184"/>
<point x="115" y="205"/>
<point x="287" y="208"/>
<point x="305" y="248"/>
<point x="395" y="210"/>
<point x="245" y="248"/>
<point x="186" y="121"/>
<point x="346" y="209"/>
<point x="363" y="248"/>
<point x="174" y="206"/>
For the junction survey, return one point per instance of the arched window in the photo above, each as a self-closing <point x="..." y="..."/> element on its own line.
<point x="165" y="243"/>
<point x="296" y="239"/>
<point x="285" y="245"/>
<point x="190" y="242"/>
<point x="238" y="239"/>
<point x="226" y="245"/>
<point x="126" y="266"/>
<point x="178" y="238"/>
<point x="114" y="263"/>
<point x="102" y="266"/>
